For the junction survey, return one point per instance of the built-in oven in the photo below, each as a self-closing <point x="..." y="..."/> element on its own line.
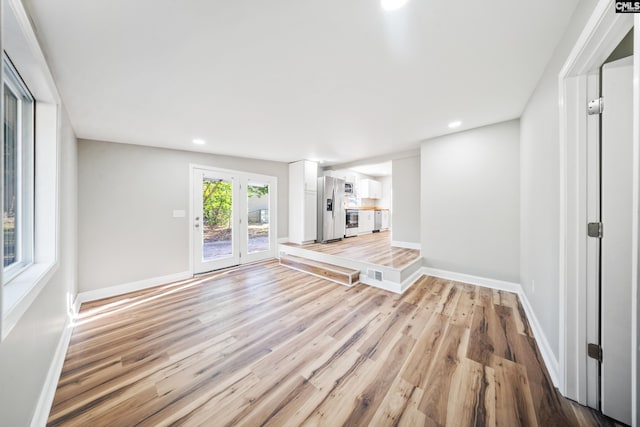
<point x="351" y="223"/>
<point x="348" y="188"/>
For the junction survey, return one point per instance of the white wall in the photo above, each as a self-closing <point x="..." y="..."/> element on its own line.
<point x="26" y="354"/>
<point x="126" y="196"/>
<point x="540" y="186"/>
<point x="470" y="202"/>
<point x="405" y="206"/>
<point x="386" y="199"/>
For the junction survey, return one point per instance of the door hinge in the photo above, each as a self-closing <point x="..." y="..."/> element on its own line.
<point x="594" y="351"/>
<point x="595" y="106"/>
<point x="594" y="229"/>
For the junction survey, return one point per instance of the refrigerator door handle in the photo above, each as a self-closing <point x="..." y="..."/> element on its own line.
<point x="333" y="202"/>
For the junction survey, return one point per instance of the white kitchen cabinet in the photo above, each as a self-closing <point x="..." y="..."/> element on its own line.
<point x="376" y="190"/>
<point x="303" y="201"/>
<point x="385" y="220"/>
<point x="370" y="189"/>
<point x="365" y="221"/>
<point x="310" y="171"/>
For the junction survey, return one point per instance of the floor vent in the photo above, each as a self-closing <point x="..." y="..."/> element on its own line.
<point x="374" y="274"/>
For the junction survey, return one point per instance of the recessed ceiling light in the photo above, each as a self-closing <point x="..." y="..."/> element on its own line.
<point x="455" y="124"/>
<point x="392" y="4"/>
<point x="199" y="141"/>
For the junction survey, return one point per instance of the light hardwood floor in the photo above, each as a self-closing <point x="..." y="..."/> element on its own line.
<point x="265" y="345"/>
<point x="372" y="247"/>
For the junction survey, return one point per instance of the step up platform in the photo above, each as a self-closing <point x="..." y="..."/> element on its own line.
<point x="390" y="278"/>
<point x="342" y="275"/>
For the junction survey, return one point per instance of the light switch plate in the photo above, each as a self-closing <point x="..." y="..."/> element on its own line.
<point x="179" y="213"/>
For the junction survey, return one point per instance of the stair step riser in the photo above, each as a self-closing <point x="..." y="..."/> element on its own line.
<point x="334" y="276"/>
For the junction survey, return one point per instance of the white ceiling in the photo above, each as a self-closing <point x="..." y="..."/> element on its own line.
<point x="332" y="80"/>
<point x="375" y="170"/>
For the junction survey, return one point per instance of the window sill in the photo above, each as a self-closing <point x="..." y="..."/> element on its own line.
<point x="21" y="291"/>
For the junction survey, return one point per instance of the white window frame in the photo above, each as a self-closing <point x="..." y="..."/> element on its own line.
<point x="25" y="126"/>
<point x="21" y="45"/>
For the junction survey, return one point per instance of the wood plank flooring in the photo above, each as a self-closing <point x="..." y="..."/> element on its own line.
<point x="265" y="345"/>
<point x="373" y="247"/>
<point x="334" y="273"/>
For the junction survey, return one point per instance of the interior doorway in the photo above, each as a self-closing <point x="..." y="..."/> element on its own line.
<point x="580" y="270"/>
<point x="233" y="218"/>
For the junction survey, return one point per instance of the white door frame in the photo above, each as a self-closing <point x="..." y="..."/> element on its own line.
<point x="197" y="225"/>
<point x="241" y="178"/>
<point x="273" y="218"/>
<point x="601" y="35"/>
<point x="635" y="231"/>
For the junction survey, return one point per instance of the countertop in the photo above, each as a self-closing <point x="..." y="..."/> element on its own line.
<point x="368" y="208"/>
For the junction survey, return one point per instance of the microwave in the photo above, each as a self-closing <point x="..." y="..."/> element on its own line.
<point x="348" y="188"/>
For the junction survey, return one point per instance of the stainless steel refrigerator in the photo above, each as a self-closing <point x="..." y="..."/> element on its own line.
<point x="331" y="215"/>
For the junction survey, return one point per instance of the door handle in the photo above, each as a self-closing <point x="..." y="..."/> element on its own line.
<point x="333" y="203"/>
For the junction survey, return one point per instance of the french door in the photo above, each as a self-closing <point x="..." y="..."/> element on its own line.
<point x="232" y="216"/>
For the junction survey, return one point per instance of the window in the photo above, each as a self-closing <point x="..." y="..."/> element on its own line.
<point x="18" y="173"/>
<point x="36" y="126"/>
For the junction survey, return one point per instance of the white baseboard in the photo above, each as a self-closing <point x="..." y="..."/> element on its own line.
<point x="113" y="291"/>
<point x="45" y="400"/>
<point x="551" y="362"/>
<point x="473" y="280"/>
<point x="283" y="239"/>
<point x="406" y="245"/>
<point x="76" y="305"/>
<point x="406" y="284"/>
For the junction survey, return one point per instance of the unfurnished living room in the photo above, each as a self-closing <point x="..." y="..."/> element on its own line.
<point x="331" y="213"/>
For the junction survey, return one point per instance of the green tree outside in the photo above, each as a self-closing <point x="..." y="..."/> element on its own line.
<point x="216" y="201"/>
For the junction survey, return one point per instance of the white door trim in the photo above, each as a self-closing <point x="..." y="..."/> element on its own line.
<point x="601" y="35"/>
<point x="635" y="232"/>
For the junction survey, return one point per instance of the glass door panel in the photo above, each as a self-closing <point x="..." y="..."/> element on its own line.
<point x="259" y="199"/>
<point x="217" y="228"/>
<point x="216" y="244"/>
<point x="258" y="226"/>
